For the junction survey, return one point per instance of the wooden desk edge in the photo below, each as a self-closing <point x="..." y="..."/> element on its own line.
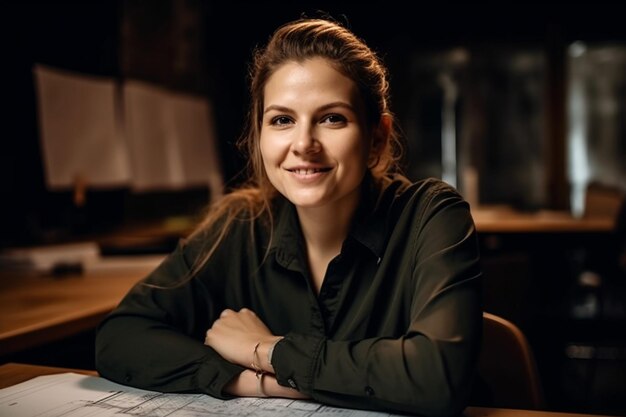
<point x="507" y="221"/>
<point x="15" y="341"/>
<point x="14" y="373"/>
<point x="18" y="335"/>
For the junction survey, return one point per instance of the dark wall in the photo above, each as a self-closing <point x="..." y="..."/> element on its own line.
<point x="86" y="37"/>
<point x="78" y="36"/>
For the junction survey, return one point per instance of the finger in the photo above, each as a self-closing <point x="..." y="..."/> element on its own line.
<point x="226" y="312"/>
<point x="247" y="311"/>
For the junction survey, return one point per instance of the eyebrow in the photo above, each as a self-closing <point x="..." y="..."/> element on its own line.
<point x="285" y="109"/>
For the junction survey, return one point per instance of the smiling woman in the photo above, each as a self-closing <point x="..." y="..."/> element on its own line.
<point x="315" y="145"/>
<point x="329" y="275"/>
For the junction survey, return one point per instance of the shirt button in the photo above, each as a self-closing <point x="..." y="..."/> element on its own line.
<point x="128" y="378"/>
<point x="292" y="383"/>
<point x="369" y="391"/>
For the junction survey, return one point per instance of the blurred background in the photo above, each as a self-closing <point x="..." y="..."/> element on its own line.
<point x="521" y="106"/>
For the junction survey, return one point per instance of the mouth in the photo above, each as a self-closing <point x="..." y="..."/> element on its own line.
<point x="308" y="171"/>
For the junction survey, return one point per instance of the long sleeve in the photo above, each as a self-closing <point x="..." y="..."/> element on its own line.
<point x="425" y="305"/>
<point x="154" y="339"/>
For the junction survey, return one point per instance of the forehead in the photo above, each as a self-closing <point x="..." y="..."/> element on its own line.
<point x="310" y="81"/>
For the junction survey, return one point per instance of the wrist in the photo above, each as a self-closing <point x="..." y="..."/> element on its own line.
<point x="262" y="354"/>
<point x="272" y="388"/>
<point x="270" y="352"/>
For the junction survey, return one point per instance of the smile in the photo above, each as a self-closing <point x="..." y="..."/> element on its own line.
<point x="308" y="171"/>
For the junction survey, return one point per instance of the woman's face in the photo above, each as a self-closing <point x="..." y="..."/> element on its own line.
<point x="314" y="140"/>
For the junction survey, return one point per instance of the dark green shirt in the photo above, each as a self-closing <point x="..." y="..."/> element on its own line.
<point x="396" y="325"/>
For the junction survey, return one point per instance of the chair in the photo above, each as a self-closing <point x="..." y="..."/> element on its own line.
<point x="608" y="201"/>
<point x="603" y="200"/>
<point x="507" y="367"/>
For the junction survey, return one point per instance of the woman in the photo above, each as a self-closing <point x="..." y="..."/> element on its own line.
<point x="329" y="276"/>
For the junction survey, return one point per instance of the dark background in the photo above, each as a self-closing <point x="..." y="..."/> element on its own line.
<point x="89" y="37"/>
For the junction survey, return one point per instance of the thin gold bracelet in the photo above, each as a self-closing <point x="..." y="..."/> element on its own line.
<point x="255" y="355"/>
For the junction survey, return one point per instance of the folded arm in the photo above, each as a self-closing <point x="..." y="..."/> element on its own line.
<point x="155" y="338"/>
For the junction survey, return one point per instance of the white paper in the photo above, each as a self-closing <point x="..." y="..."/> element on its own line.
<point x="46" y="258"/>
<point x="80" y="132"/>
<point x="171" y="139"/>
<point x="100" y="133"/>
<point x="73" y="395"/>
<point x="84" y="255"/>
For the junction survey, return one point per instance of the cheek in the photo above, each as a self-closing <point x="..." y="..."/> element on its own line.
<point x="270" y="161"/>
<point x="265" y="151"/>
<point x="361" y="149"/>
<point x="274" y="148"/>
<point x="369" y="150"/>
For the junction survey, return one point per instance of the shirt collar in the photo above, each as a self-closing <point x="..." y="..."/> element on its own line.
<point x="286" y="237"/>
<point x="369" y="223"/>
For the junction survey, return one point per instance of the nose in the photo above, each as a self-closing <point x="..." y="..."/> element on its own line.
<point x="304" y="141"/>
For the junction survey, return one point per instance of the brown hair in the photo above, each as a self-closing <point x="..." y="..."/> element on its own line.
<point x="298" y="41"/>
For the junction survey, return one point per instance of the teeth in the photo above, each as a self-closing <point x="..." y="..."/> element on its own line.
<point x="307" y="171"/>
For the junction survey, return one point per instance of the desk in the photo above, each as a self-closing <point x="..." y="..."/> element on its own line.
<point x="36" y="309"/>
<point x="13" y="373"/>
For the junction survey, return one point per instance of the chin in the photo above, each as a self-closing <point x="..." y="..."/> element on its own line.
<point x="307" y="202"/>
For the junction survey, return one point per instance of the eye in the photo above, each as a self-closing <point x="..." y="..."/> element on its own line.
<point x="334" y="119"/>
<point x="280" y="121"/>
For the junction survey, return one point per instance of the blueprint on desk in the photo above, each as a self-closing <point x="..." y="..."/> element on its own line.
<point x="73" y="395"/>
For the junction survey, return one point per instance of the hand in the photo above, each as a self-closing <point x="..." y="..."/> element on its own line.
<point x="235" y="334"/>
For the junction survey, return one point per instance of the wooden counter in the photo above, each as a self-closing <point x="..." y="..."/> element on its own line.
<point x="40" y="308"/>
<point x="504" y="220"/>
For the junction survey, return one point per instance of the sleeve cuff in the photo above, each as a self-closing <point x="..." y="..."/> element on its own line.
<point x="294" y="360"/>
<point x="211" y="377"/>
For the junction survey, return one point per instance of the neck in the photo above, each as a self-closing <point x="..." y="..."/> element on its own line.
<point x="325" y="228"/>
